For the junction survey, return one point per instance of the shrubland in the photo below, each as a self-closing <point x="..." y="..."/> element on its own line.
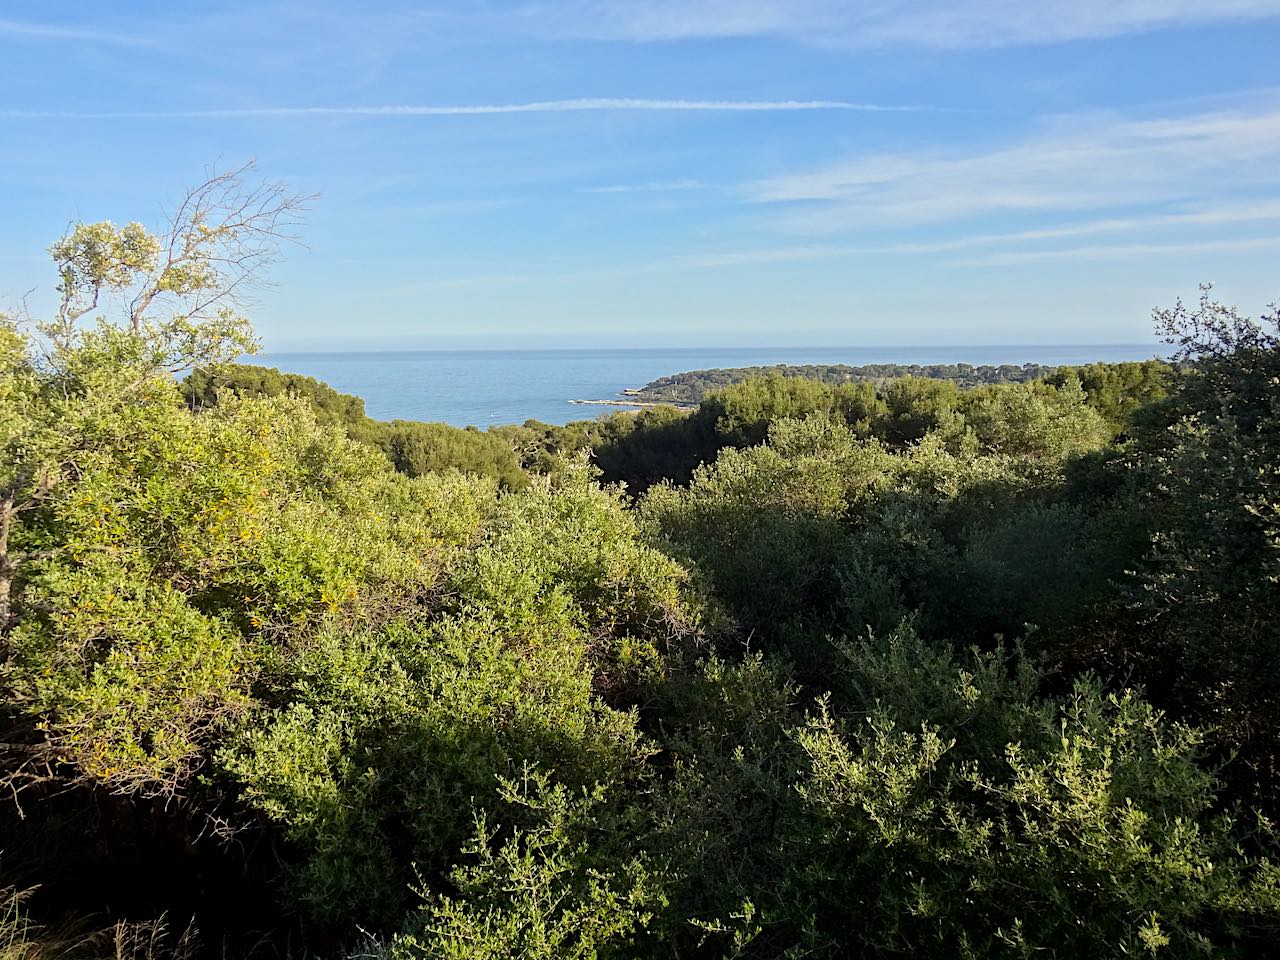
<point x="413" y="448"/>
<point x="814" y="670"/>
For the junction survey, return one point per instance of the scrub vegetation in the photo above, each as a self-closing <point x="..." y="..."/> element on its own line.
<point x="874" y="668"/>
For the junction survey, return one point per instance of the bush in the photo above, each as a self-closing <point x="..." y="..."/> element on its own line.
<point x="416" y="449"/>
<point x="1205" y="462"/>
<point x="556" y="888"/>
<point x="950" y="811"/>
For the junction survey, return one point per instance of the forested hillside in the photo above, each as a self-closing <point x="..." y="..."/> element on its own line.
<point x="693" y="386"/>
<point x="815" y="670"/>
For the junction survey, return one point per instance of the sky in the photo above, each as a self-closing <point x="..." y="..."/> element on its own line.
<point x="673" y="172"/>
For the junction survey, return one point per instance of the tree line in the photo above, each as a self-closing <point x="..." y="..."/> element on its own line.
<point x="692" y="387"/>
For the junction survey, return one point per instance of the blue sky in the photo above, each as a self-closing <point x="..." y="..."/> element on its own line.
<point x="675" y="172"/>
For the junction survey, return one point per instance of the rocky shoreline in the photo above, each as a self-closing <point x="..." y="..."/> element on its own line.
<point x="630" y="403"/>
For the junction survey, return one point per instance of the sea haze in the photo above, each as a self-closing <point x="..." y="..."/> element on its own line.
<point x="490" y="387"/>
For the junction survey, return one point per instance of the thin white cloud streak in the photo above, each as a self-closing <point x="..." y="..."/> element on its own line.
<point x="1261" y="212"/>
<point x="1079" y="165"/>
<point x="941" y="24"/>
<point x="656" y="186"/>
<point x="27" y="30"/>
<point x="1222" y="216"/>
<point x="1118" y="251"/>
<point x="742" y="258"/>
<point x="540" y="106"/>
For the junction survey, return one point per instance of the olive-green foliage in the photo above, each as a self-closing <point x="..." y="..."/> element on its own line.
<point x="935" y="804"/>
<point x="420" y="448"/>
<point x="914" y="407"/>
<point x="668" y="443"/>
<point x="207" y="573"/>
<point x="1019" y="421"/>
<point x="952" y="812"/>
<point x="202" y="386"/>
<point x="413" y="448"/>
<point x="245" y="600"/>
<point x="817" y="530"/>
<point x="1118" y="390"/>
<point x="717" y="820"/>
<point x="742" y="413"/>
<point x="696" y="385"/>
<point x="767" y="524"/>
<point x="1052" y="561"/>
<point x="378" y="745"/>
<point x="1049" y="419"/>
<point x="637" y="449"/>
<point x="1206" y="459"/>
<point x="556" y="886"/>
<point x="644" y="448"/>
<point x="760" y="711"/>
<point x="184" y="545"/>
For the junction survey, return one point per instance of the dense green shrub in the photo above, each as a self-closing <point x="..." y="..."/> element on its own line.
<point x="420" y="448"/>
<point x="1118" y="390"/>
<point x="556" y="886"/>
<point x="817" y="530"/>
<point x="957" y="814"/>
<point x="413" y="448"/>
<point x="766" y="524"/>
<point x="1206" y="465"/>
<point x="202" y="386"/>
<point x="1050" y="418"/>
<point x="1020" y="421"/>
<point x="935" y="803"/>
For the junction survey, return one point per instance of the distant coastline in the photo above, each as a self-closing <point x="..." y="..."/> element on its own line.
<point x="631" y="403"/>
<point x="686" y="390"/>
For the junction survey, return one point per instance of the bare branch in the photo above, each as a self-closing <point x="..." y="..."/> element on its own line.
<point x="219" y="241"/>
<point x="1213" y="330"/>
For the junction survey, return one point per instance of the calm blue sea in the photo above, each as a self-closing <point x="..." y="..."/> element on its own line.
<point x="490" y="387"/>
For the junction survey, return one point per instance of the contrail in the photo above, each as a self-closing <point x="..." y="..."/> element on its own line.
<point x="538" y="106"/>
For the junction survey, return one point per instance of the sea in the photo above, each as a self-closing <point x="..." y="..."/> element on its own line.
<point x="486" y="388"/>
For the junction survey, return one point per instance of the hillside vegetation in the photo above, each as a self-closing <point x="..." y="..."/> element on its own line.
<point x="692" y="387"/>
<point x="413" y="448"/>
<point x="863" y="669"/>
<point x="1073" y="408"/>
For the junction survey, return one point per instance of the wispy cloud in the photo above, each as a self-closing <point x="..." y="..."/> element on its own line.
<point x="27" y="30"/>
<point x="1256" y="212"/>
<point x="1078" y="165"/>
<point x="929" y="23"/>
<point x="409" y="110"/>
<point x="1160" y="224"/>
<point x="540" y="275"/>
<point x="1260" y="212"/>
<point x="742" y="258"/>
<point x="653" y="186"/>
<point x="1121" y="251"/>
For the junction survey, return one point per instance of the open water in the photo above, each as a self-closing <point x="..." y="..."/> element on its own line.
<point x="489" y="387"/>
